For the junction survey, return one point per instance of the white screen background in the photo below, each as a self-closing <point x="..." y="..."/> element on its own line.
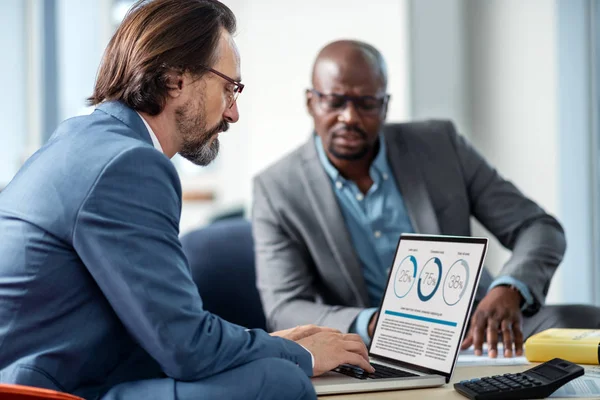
<point x="427" y="333"/>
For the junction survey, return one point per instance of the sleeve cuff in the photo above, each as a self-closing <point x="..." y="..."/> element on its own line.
<point x="360" y="326"/>
<point x="312" y="358"/>
<point x="521" y="287"/>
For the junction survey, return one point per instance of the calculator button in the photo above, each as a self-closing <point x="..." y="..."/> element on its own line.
<point x="486" y="388"/>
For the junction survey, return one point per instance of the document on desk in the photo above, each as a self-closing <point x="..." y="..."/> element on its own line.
<point x="467" y="358"/>
<point x="584" y="386"/>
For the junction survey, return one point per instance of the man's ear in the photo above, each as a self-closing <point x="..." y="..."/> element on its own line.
<point x="309" y="99"/>
<point x="385" y="108"/>
<point x="175" y="83"/>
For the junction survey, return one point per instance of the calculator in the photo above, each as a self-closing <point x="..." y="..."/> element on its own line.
<point x="536" y="383"/>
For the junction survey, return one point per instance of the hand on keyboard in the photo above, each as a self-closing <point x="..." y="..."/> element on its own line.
<point x="381" y="372"/>
<point x="331" y="349"/>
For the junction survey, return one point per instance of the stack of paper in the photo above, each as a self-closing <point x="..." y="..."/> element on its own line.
<point x="584" y="386"/>
<point x="468" y="358"/>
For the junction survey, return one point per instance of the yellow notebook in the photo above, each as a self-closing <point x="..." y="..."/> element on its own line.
<point x="581" y="346"/>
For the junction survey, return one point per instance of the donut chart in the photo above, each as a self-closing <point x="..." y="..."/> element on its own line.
<point x="405" y="276"/>
<point x="456" y="282"/>
<point x="429" y="279"/>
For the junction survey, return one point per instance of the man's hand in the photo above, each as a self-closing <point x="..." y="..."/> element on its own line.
<point x="301" y="332"/>
<point x="331" y="349"/>
<point x="371" y="327"/>
<point x="499" y="311"/>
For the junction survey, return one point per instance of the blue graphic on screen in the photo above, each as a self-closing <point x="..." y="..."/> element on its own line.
<point x="405" y="276"/>
<point x="429" y="278"/>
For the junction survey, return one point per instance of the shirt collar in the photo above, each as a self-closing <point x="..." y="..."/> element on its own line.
<point x="329" y="168"/>
<point x="380" y="162"/>
<point x="379" y="165"/>
<point x="155" y="141"/>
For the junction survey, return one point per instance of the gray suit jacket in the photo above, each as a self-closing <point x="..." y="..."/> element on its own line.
<point x="307" y="269"/>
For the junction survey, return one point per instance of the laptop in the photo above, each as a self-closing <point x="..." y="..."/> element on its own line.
<point x="423" y="316"/>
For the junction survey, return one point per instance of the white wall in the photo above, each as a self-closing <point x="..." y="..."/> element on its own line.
<point x="514" y="92"/>
<point x="439" y="65"/>
<point x="513" y="57"/>
<point x="531" y="117"/>
<point x="516" y="79"/>
<point x="278" y="41"/>
<point x="13" y="101"/>
<point x="490" y="66"/>
<point x="81" y="39"/>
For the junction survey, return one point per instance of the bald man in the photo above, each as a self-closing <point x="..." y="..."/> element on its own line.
<point x="327" y="217"/>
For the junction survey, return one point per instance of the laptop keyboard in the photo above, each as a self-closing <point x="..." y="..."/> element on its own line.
<point x="381" y="372"/>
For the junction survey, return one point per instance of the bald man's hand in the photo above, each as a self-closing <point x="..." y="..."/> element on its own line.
<point x="497" y="319"/>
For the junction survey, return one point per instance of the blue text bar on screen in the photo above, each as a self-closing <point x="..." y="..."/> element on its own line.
<point x="419" y="318"/>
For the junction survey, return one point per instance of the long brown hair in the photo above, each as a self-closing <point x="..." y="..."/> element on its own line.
<point x="156" y="38"/>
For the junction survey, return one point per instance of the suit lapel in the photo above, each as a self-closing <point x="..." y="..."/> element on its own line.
<point x="411" y="183"/>
<point x="323" y="203"/>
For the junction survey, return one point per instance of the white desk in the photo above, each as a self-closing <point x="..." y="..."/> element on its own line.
<point x="443" y="392"/>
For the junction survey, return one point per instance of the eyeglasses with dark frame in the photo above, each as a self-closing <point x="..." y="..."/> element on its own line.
<point x="237" y="86"/>
<point x="366" y="105"/>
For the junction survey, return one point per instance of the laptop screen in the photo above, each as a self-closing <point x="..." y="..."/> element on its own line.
<point x="428" y="296"/>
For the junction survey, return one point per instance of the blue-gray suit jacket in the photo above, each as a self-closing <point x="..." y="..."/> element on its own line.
<point x="94" y="287"/>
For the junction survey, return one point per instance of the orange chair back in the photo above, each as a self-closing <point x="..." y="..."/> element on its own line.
<point x="20" y="392"/>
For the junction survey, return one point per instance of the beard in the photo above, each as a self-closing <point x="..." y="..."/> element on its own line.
<point x="346" y="154"/>
<point x="198" y="143"/>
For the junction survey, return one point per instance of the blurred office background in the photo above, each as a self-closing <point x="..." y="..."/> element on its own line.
<point x="519" y="78"/>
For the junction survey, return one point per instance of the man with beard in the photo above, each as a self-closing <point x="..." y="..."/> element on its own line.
<point x="97" y="297"/>
<point x="327" y="218"/>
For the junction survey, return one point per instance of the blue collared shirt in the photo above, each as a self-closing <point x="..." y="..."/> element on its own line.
<point x="375" y="221"/>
